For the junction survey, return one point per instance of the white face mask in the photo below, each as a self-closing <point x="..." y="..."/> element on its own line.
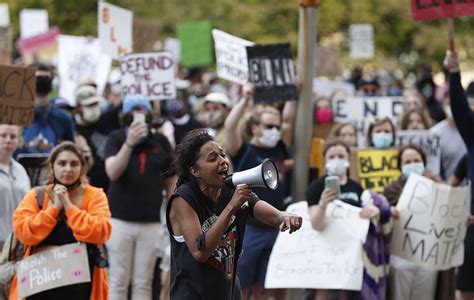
<point x="270" y="137"/>
<point x="337" y="167"/>
<point x="91" y="114"/>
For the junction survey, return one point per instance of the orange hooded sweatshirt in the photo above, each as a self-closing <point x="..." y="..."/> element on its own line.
<point x="91" y="224"/>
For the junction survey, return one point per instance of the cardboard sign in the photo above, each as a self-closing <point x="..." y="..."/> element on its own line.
<point x="432" y="225"/>
<point x="427" y="141"/>
<point x="17" y="95"/>
<point x="441" y="9"/>
<point x="43" y="47"/>
<point x="271" y="71"/>
<point x="231" y="57"/>
<point x="6" y="41"/>
<point x="362" y="41"/>
<point x="327" y="259"/>
<point x="4" y="15"/>
<point x="376" y="168"/>
<point x="79" y="59"/>
<point x="115" y="29"/>
<point x="33" y="22"/>
<point x="327" y="88"/>
<point x="196" y="44"/>
<point x="151" y="74"/>
<point x="360" y="111"/>
<point x="52" y="268"/>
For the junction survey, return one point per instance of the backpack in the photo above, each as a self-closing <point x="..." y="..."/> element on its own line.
<point x="13" y="250"/>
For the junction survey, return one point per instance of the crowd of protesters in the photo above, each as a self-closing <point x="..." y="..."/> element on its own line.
<point x="126" y="147"/>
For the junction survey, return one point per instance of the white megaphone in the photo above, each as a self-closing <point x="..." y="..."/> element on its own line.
<point x="263" y="175"/>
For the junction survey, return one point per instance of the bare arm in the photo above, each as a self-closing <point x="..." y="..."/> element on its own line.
<point x="234" y="139"/>
<point x="317" y="212"/>
<point x="271" y="216"/>
<point x="170" y="185"/>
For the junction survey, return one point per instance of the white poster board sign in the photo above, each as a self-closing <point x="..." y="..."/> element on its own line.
<point x="362" y="41"/>
<point x="174" y="46"/>
<point x="80" y="58"/>
<point x="33" y="22"/>
<point x="360" y="111"/>
<point x="231" y="57"/>
<point x="151" y="74"/>
<point x="4" y="15"/>
<point x="327" y="88"/>
<point x="432" y="225"/>
<point x="327" y="259"/>
<point x="52" y="268"/>
<point x="426" y="140"/>
<point x="115" y="29"/>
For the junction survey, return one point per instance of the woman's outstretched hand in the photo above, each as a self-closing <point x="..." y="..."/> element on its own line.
<point x="289" y="221"/>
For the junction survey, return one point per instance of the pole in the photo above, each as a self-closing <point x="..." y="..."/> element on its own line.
<point x="304" y="115"/>
<point x="451" y="35"/>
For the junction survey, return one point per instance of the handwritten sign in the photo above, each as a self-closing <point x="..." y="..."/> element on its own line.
<point x="4" y="15"/>
<point x="231" y="56"/>
<point x="360" y="111"/>
<point x="115" y="29"/>
<point x="432" y="225"/>
<point x="271" y="71"/>
<point x="17" y="95"/>
<point x="362" y="41"/>
<point x="327" y="259"/>
<point x="196" y="43"/>
<point x="441" y="9"/>
<point x="376" y="168"/>
<point x="151" y="74"/>
<point x="52" y="268"/>
<point x="327" y="88"/>
<point x="79" y="59"/>
<point x="427" y="141"/>
<point x="33" y="22"/>
<point x="42" y="47"/>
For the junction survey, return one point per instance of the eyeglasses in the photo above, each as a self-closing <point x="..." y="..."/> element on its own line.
<point x="271" y="126"/>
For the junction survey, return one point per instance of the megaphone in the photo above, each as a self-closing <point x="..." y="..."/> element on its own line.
<point x="263" y="175"/>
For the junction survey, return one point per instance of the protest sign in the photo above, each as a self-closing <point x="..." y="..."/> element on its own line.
<point x="427" y="141"/>
<point x="151" y="74"/>
<point x="271" y="71"/>
<point x="362" y="41"/>
<point x="4" y="15"/>
<point x="327" y="88"/>
<point x="80" y="59"/>
<point x="33" y="22"/>
<point x="6" y="41"/>
<point x="432" y="224"/>
<point x="231" y="57"/>
<point x="17" y="95"/>
<point x="173" y="46"/>
<point x="326" y="259"/>
<point x="196" y="43"/>
<point x="375" y="168"/>
<point x="115" y="29"/>
<point x="441" y="9"/>
<point x="360" y="111"/>
<point x="42" y="47"/>
<point x="52" y="268"/>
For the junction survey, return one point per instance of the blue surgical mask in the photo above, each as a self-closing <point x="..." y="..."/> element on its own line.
<point x="382" y="140"/>
<point x="416" y="168"/>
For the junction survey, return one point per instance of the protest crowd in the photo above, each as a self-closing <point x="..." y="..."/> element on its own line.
<point x="114" y="180"/>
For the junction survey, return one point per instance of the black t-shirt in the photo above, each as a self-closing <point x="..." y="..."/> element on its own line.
<point x="136" y="195"/>
<point x="350" y="192"/>
<point x="250" y="156"/>
<point x="180" y="130"/>
<point x="214" y="279"/>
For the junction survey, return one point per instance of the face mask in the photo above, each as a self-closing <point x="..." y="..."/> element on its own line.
<point x="270" y="137"/>
<point x="323" y="116"/>
<point x="44" y="85"/>
<point x="91" y="114"/>
<point x="416" y="168"/>
<point x="215" y="118"/>
<point x="337" y="167"/>
<point x="382" y="140"/>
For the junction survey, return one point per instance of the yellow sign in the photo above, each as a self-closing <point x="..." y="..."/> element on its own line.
<point x="377" y="168"/>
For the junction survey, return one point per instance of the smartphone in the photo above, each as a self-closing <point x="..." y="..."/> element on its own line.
<point x="139" y="118"/>
<point x="333" y="182"/>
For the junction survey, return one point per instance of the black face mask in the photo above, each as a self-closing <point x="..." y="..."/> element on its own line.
<point x="44" y="85"/>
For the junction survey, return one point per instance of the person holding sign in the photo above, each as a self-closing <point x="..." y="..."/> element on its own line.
<point x="72" y="212"/>
<point x="407" y="280"/>
<point x="336" y="184"/>
<point x="206" y="221"/>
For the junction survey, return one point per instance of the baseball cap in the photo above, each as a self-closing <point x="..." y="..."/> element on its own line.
<point x="132" y="101"/>
<point x="86" y="95"/>
<point x="218" y="98"/>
